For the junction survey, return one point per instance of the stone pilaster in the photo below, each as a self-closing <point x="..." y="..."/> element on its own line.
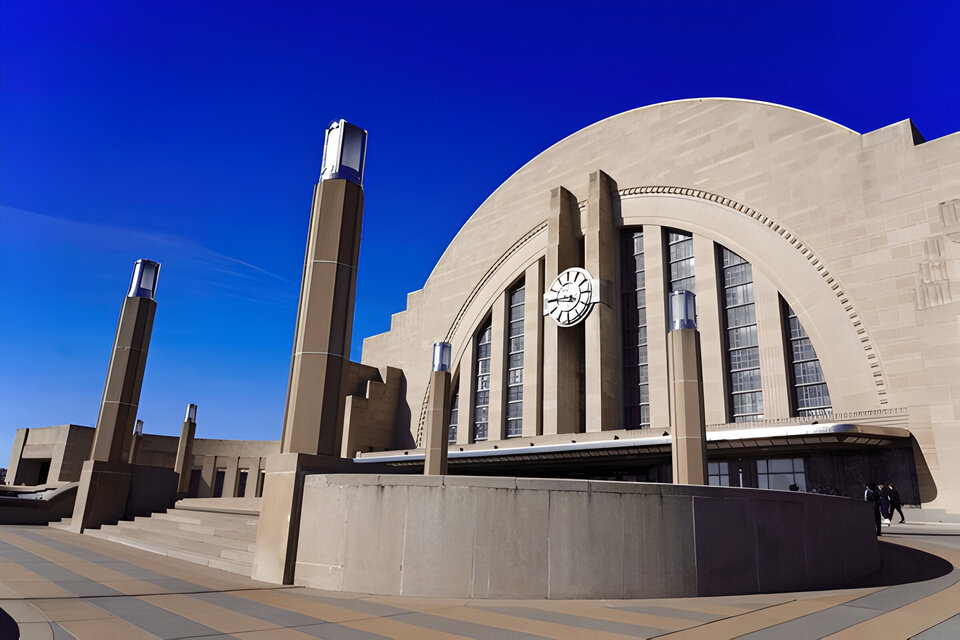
<point x="533" y="351"/>
<point x="653" y="250"/>
<point x="774" y="378"/>
<point x="496" y="426"/>
<point x="689" y="445"/>
<point x="561" y="348"/>
<point x="602" y="351"/>
<point x="312" y="420"/>
<point x="437" y="432"/>
<point x="184" y="462"/>
<point x="709" y="324"/>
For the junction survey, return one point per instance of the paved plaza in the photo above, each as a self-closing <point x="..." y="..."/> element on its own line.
<point x="61" y="585"/>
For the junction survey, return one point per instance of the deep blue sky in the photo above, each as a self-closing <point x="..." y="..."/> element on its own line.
<point x="191" y="133"/>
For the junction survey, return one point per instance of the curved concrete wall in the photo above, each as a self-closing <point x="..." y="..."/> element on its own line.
<point x="501" y="537"/>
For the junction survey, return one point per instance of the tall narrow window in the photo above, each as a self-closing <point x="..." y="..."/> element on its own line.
<point x="680" y="261"/>
<point x="481" y="398"/>
<point x="743" y="354"/>
<point x="515" y="364"/>
<point x="636" y="393"/>
<point x="454" y="411"/>
<point x="810" y="395"/>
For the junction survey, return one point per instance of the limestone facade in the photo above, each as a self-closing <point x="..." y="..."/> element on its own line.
<point x="858" y="233"/>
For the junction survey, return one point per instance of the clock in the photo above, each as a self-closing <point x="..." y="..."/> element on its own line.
<point x="571" y="297"/>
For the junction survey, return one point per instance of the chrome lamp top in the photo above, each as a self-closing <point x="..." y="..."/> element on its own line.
<point x="441" y="356"/>
<point x="344" y="152"/>
<point x="683" y="310"/>
<point x="191" y="414"/>
<point x="143" y="284"/>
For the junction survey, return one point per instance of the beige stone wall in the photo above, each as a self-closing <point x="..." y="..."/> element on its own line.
<point x="497" y="537"/>
<point x="859" y="233"/>
<point x="370" y="409"/>
<point x="68" y="446"/>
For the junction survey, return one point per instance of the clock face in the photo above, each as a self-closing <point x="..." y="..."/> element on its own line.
<point x="570" y="297"/>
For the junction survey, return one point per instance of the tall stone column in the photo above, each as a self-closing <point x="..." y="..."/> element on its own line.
<point x="135" y="443"/>
<point x="105" y="477"/>
<point x="184" y="464"/>
<point x="689" y="441"/>
<point x="496" y="418"/>
<point x="709" y="328"/>
<point x="467" y="385"/>
<point x="313" y="422"/>
<point x="603" y="355"/>
<point x="438" y="413"/>
<point x="561" y="347"/>
<point x="533" y="351"/>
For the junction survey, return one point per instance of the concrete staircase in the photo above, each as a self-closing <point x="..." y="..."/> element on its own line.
<point x="217" y="532"/>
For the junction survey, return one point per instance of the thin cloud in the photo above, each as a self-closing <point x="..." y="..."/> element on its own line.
<point x="202" y="270"/>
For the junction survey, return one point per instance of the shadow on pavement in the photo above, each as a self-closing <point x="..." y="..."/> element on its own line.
<point x="8" y="628"/>
<point x="900" y="565"/>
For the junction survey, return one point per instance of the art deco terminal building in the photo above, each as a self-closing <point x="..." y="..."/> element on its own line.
<point x="826" y="267"/>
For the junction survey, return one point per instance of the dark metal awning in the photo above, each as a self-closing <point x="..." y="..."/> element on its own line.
<point x="730" y="439"/>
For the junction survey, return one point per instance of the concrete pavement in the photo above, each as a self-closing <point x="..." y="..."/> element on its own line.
<point x="60" y="585"/>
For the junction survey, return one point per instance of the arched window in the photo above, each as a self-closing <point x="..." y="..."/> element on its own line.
<point x="810" y="394"/>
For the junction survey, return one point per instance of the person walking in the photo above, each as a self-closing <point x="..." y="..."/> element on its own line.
<point x="884" y="499"/>
<point x="872" y="495"/>
<point x="895" y="504"/>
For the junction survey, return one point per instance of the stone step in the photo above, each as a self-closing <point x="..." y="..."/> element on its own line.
<point x="199" y="518"/>
<point x="245" y="506"/>
<point x="222" y="540"/>
<point x="63" y="523"/>
<point x="246" y="533"/>
<point x="235" y="561"/>
<point x="209" y="545"/>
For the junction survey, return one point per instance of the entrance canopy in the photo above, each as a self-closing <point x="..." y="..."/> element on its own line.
<point x="618" y="444"/>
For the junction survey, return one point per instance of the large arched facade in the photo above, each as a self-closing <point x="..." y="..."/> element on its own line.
<point x="825" y="264"/>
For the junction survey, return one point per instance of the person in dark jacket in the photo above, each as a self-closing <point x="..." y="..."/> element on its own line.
<point x="884" y="503"/>
<point x="895" y="503"/>
<point x="872" y="495"/>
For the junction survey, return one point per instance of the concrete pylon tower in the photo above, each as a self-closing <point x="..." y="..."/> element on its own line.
<point x="135" y="442"/>
<point x="313" y="418"/>
<point x="689" y="442"/>
<point x="184" y="461"/>
<point x="105" y="477"/>
<point x="438" y="413"/>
